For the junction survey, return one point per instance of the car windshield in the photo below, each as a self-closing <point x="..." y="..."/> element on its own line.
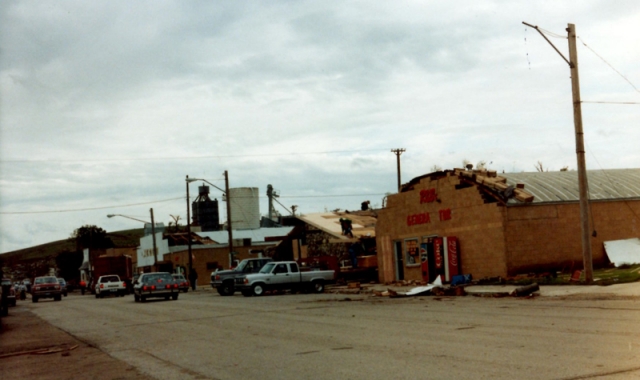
<point x="242" y="265"/>
<point x="157" y="277"/>
<point x="109" y="279"/>
<point x="267" y="268"/>
<point x="6" y="281"/>
<point x="46" y="280"/>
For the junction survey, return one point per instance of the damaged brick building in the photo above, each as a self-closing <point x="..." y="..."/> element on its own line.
<point x="501" y="224"/>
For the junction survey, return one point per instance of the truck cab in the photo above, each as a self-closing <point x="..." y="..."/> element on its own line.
<point x="224" y="281"/>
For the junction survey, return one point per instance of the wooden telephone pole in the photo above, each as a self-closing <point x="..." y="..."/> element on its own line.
<point x="398" y="152"/>
<point x="582" y="167"/>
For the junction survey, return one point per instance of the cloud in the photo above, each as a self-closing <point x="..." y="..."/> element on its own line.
<point x="109" y="103"/>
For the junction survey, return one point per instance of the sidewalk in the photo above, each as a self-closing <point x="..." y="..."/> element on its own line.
<point x="617" y="290"/>
<point x="33" y="349"/>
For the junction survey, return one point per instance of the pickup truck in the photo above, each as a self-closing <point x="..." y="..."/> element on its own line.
<point x="223" y="280"/>
<point x="110" y="284"/>
<point x="284" y="275"/>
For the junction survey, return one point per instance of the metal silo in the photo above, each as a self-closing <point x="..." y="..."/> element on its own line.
<point x="204" y="211"/>
<point x="245" y="208"/>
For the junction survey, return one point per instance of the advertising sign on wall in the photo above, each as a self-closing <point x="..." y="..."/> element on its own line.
<point x="145" y="252"/>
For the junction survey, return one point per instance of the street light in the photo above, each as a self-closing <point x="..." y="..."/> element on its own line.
<point x="229" y="227"/>
<point x="153" y="233"/>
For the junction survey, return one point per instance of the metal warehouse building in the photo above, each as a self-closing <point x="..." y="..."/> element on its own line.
<point x="488" y="224"/>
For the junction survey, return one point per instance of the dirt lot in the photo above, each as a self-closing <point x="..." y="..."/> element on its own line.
<point x="24" y="332"/>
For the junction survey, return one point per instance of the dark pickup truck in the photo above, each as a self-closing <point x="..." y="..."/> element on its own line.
<point x="223" y="280"/>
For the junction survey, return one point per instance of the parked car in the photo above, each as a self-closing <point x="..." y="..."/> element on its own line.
<point x="110" y="285"/>
<point x="63" y="286"/>
<point x="11" y="295"/>
<point x="223" y="280"/>
<point x="183" y="283"/>
<point x="284" y="275"/>
<point x="155" y="285"/>
<point x="46" y="287"/>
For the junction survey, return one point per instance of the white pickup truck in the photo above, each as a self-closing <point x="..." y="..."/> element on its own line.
<point x="283" y="275"/>
<point x="110" y="284"/>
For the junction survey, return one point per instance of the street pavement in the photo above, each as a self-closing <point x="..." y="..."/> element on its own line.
<point x="569" y="332"/>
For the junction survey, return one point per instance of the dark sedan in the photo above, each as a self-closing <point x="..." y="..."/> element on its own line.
<point x="183" y="283"/>
<point x="155" y="285"/>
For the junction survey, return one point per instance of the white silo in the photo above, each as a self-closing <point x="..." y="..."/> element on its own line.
<point x="245" y="208"/>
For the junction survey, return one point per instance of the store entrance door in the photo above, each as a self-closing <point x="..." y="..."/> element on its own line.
<point x="399" y="261"/>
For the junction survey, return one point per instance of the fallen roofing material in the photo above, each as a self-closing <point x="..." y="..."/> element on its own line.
<point x="413" y="292"/>
<point x="623" y="252"/>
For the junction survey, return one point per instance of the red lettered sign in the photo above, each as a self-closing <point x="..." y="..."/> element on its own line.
<point x="437" y="252"/>
<point x="452" y="256"/>
<point x="427" y="196"/>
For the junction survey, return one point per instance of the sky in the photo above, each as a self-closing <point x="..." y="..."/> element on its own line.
<point x="106" y="106"/>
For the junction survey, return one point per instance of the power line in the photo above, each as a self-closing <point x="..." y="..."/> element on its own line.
<point x="604" y="102"/>
<point x="168" y="200"/>
<point x="86" y="209"/>
<point x="610" y="65"/>
<point x="190" y="157"/>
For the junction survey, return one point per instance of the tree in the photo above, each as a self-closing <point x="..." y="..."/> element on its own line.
<point x="91" y="236"/>
<point x="174" y="226"/>
<point x="539" y="167"/>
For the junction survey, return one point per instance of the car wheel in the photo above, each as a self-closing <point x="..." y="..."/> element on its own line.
<point x="136" y="298"/>
<point x="318" y="286"/>
<point x="13" y="303"/>
<point x="186" y="290"/>
<point x="257" y="290"/>
<point x="174" y="296"/>
<point x="227" y="290"/>
<point x="34" y="299"/>
<point x="143" y="299"/>
<point x="57" y="298"/>
<point x="97" y="295"/>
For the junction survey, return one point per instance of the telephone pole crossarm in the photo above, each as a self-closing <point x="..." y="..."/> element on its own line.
<point x="550" y="43"/>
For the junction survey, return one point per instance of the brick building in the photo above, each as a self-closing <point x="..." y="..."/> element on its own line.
<point x="502" y="225"/>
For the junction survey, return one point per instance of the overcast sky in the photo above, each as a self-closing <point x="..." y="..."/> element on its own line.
<point x="108" y="105"/>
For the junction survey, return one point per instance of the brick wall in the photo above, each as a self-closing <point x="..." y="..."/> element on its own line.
<point x="548" y="237"/>
<point x="207" y="255"/>
<point x="477" y="225"/>
<point x="496" y="240"/>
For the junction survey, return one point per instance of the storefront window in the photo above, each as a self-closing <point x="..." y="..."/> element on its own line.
<point x="411" y="252"/>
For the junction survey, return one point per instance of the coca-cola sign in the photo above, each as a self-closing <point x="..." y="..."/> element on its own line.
<point x="437" y="252"/>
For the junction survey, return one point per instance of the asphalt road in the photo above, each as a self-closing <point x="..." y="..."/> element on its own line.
<point x="334" y="336"/>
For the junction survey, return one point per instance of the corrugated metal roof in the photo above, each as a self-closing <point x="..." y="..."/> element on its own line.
<point x="257" y="235"/>
<point x="610" y="184"/>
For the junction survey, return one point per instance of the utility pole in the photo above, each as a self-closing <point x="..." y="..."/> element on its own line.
<point x="188" y="230"/>
<point x="155" y="250"/>
<point x="582" y="167"/>
<point x="270" y="195"/>
<point x="229" y="227"/>
<point x="398" y="152"/>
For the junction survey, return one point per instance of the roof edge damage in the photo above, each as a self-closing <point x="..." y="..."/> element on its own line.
<point x="516" y="189"/>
